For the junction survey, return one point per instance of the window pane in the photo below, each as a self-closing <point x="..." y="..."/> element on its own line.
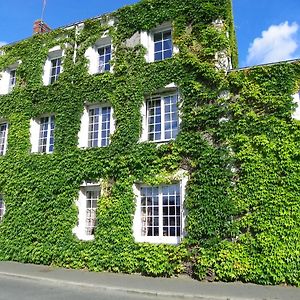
<point x="149" y="211"/>
<point x="171" y="117"/>
<point x="171" y="212"/>
<point x="158" y="47"/>
<point x="168" y="45"/>
<point x="158" y="56"/>
<point x="3" y="130"/>
<point x="104" y="58"/>
<point x="154" y="119"/>
<point x="2" y="207"/>
<point x="46" y="136"/>
<point x="167" y="54"/>
<point x="158" y="36"/>
<point x="12" y="79"/>
<point x="99" y="126"/>
<point x="55" y="69"/>
<point x="160" y="218"/>
<point x="92" y="196"/>
<point x="163" y="45"/>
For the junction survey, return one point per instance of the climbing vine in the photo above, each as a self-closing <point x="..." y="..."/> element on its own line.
<point x="237" y="141"/>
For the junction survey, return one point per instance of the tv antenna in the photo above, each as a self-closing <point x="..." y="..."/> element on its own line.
<point x="43" y="9"/>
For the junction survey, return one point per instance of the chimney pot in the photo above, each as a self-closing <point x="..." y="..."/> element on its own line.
<point x="40" y="27"/>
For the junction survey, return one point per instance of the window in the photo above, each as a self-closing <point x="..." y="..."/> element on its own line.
<point x="8" y="78"/>
<point x="104" y="58"/>
<point x="159" y="43"/>
<point x="163" y="46"/>
<point x="53" y="65"/>
<point x="159" y="213"/>
<point x="12" y="80"/>
<point x="87" y="203"/>
<point x="55" y="69"/>
<point x="96" y="126"/>
<point x="161" y="117"/>
<point x="296" y="101"/>
<point x="46" y="138"/>
<point x="100" y="55"/>
<point x="42" y="134"/>
<point x="2" y="207"/>
<point x="3" y="137"/>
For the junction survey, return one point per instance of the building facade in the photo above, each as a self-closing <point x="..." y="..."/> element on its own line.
<point x="129" y="144"/>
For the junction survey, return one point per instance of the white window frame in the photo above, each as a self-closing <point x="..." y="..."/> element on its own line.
<point x="35" y="127"/>
<point x="138" y="218"/>
<point x="168" y="90"/>
<point x="2" y="121"/>
<point x="83" y="135"/>
<point x="296" y="100"/>
<point x="2" y="208"/>
<point x="54" y="53"/>
<point x="147" y="40"/>
<point x="81" y="229"/>
<point x="5" y="79"/>
<point x="92" y="54"/>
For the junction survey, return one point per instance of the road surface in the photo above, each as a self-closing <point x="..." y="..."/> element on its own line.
<point x="17" y="288"/>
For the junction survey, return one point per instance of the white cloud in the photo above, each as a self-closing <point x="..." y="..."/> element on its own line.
<point x="2" y="43"/>
<point x="277" y="43"/>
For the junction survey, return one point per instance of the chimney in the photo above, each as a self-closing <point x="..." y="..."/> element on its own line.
<point x="40" y="27"/>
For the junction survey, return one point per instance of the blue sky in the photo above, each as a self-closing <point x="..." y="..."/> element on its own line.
<point x="267" y="30"/>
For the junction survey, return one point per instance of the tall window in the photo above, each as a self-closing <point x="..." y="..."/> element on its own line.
<point x="12" y="79"/>
<point x="162" y="117"/>
<point x="163" y="45"/>
<point x="55" y="69"/>
<point x="3" y="138"/>
<point x="46" y="135"/>
<point x="92" y="196"/>
<point x="99" y="129"/>
<point x="104" y="58"/>
<point x="2" y="207"/>
<point x="87" y="203"/>
<point x="159" y="213"/>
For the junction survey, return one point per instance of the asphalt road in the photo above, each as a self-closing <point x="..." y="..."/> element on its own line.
<point x="14" y="288"/>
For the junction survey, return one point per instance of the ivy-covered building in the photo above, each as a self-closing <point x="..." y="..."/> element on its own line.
<point x="129" y="143"/>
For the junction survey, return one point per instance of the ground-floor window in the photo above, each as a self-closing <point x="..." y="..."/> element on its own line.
<point x="2" y="207"/>
<point x="159" y="214"/>
<point x="87" y="204"/>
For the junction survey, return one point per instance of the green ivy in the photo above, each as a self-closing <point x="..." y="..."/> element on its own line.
<point x="241" y="152"/>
